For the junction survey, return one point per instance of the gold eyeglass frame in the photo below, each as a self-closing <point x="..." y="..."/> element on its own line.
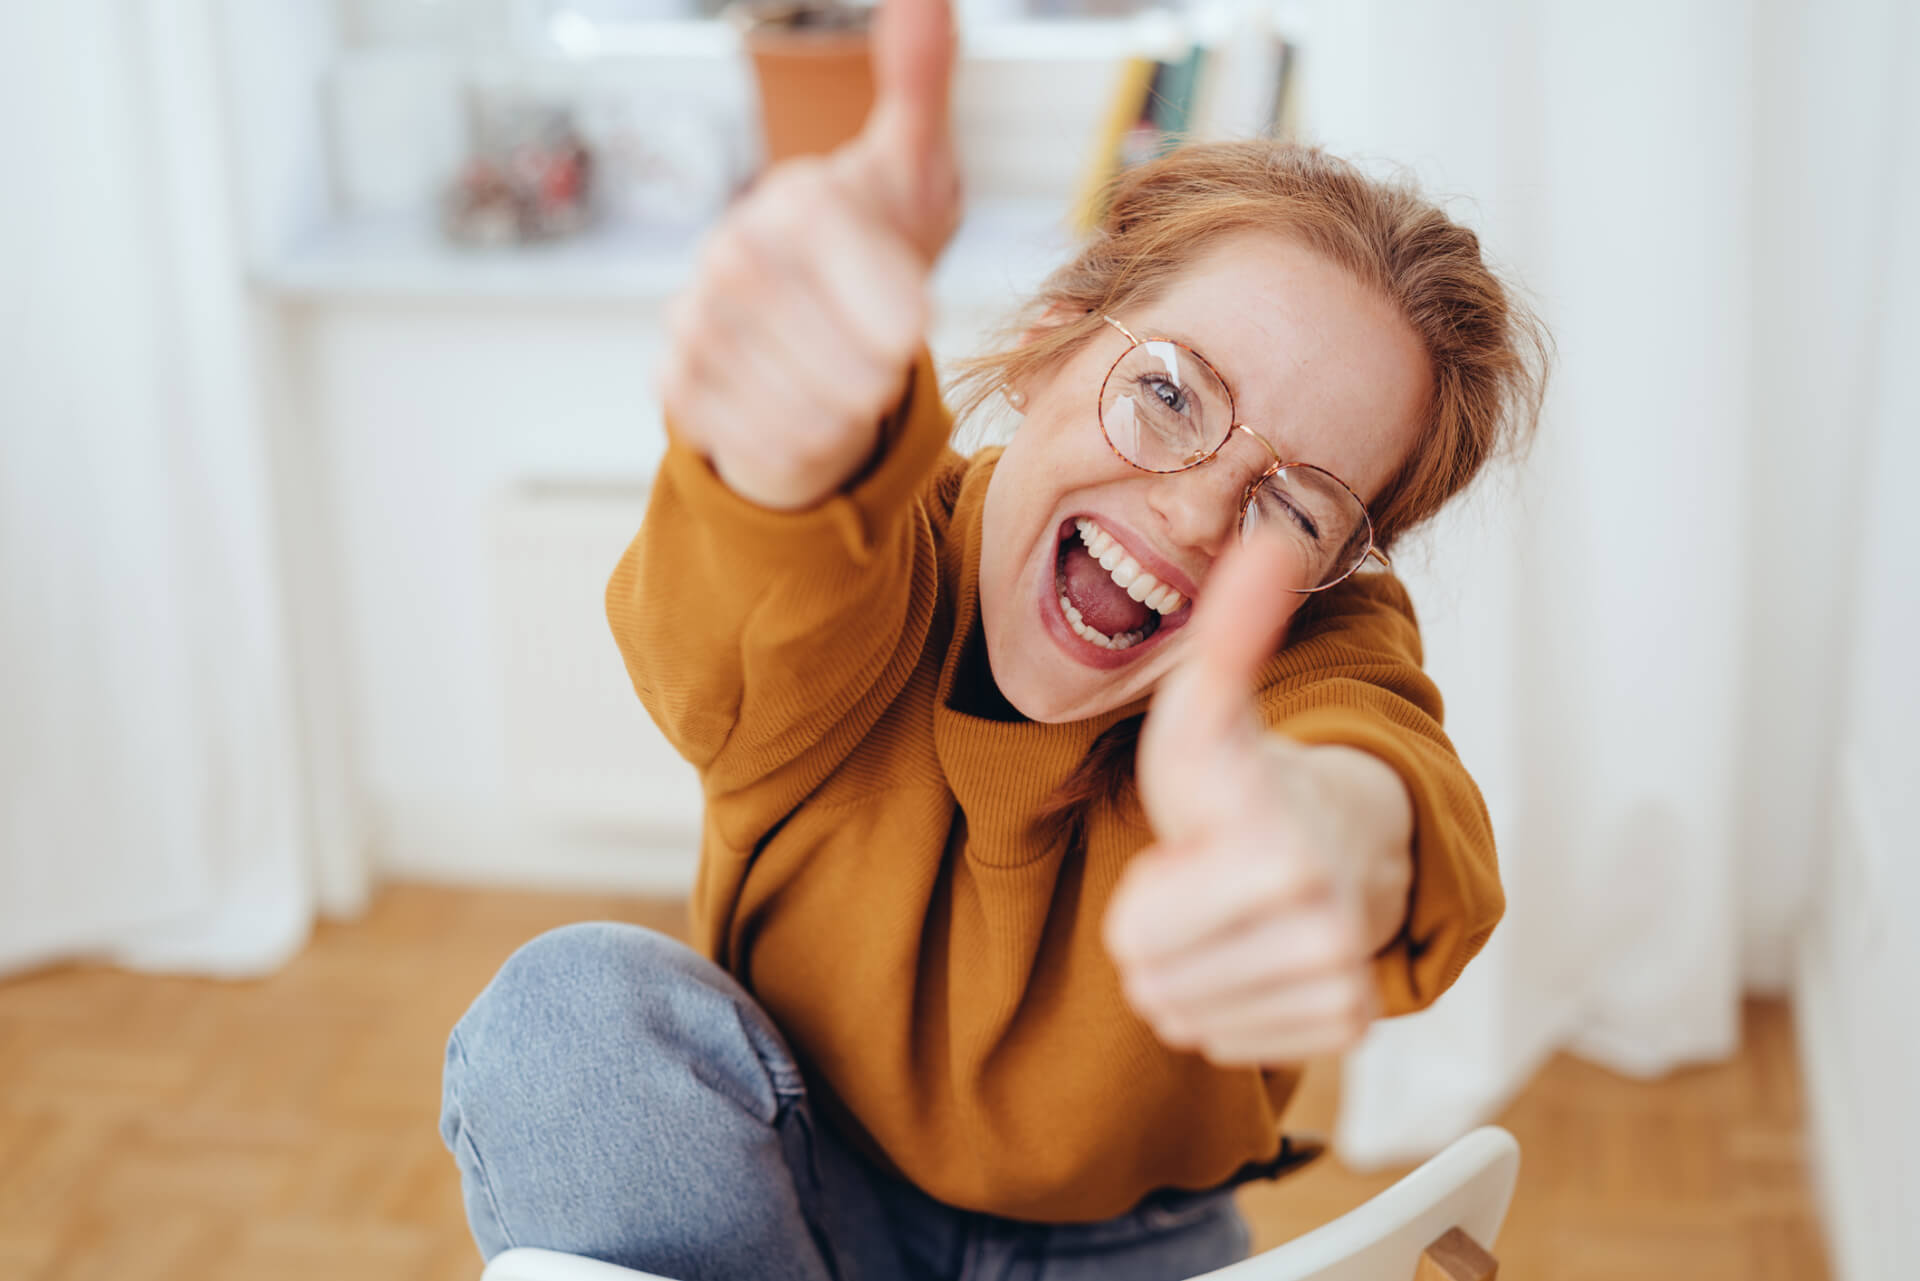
<point x="1273" y="469"/>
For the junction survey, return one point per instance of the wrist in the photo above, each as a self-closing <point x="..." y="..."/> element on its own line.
<point x="798" y="485"/>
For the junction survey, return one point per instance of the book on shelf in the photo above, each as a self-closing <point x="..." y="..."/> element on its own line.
<point x="1238" y="84"/>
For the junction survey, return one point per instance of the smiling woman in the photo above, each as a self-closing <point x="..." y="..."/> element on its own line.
<point x="989" y="962"/>
<point x="1366" y="333"/>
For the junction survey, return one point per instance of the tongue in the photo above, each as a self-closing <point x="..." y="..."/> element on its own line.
<point x="1103" y="604"/>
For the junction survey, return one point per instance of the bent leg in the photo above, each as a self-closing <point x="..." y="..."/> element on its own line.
<point x="614" y="1094"/>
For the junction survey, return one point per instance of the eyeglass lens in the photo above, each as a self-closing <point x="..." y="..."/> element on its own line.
<point x="1163" y="409"/>
<point x="1320" y="518"/>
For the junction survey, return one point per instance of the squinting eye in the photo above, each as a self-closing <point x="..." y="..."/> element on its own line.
<point x="1305" y="522"/>
<point x="1273" y="497"/>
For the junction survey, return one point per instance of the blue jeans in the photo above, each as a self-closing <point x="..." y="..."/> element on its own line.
<point x="616" y="1095"/>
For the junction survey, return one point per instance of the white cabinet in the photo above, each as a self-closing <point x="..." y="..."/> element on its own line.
<point x="470" y="438"/>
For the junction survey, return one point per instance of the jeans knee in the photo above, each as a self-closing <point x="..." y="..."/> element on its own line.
<point x="597" y="1010"/>
<point x="564" y="979"/>
<point x="605" y="1071"/>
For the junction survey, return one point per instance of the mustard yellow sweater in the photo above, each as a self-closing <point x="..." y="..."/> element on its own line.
<point x="868" y="868"/>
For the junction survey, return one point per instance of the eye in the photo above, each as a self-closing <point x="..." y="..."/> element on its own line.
<point x="1173" y="397"/>
<point x="1272" y="496"/>
<point x="1305" y="522"/>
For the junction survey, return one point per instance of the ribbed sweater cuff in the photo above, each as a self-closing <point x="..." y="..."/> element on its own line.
<point x="849" y="524"/>
<point x="1453" y="903"/>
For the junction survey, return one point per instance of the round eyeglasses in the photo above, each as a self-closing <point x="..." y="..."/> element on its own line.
<point x="1164" y="409"/>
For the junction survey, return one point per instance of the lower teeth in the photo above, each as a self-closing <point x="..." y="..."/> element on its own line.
<point x="1125" y="640"/>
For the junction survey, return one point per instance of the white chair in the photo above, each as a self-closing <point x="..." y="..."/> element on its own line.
<point x="1437" y="1224"/>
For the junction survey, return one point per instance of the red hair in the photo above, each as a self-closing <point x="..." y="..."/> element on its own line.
<point x="1488" y="354"/>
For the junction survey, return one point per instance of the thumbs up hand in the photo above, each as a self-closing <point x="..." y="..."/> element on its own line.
<point x="809" y="302"/>
<point x="1246" y="931"/>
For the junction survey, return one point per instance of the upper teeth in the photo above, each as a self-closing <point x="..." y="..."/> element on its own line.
<point x="1126" y="571"/>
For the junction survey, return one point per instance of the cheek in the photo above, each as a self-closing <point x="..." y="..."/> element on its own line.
<point x="1058" y="450"/>
<point x="1027" y="485"/>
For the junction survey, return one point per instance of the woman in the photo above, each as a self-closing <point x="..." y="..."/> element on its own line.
<point x="990" y="978"/>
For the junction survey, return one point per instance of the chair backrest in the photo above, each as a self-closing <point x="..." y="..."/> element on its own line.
<point x="524" y="1263"/>
<point x="1468" y="1186"/>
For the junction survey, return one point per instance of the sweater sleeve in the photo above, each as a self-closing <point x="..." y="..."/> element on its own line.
<point x="1352" y="676"/>
<point x="753" y="635"/>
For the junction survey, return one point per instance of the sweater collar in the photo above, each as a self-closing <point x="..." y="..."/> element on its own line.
<point x="1001" y="771"/>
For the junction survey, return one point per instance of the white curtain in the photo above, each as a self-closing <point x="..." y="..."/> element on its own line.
<point x="155" y="804"/>
<point x="1641" y="631"/>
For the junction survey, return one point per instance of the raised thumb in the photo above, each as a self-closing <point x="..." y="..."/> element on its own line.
<point x="1197" y="748"/>
<point x="905" y="152"/>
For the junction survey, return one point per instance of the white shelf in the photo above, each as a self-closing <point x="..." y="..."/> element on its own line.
<point x="1154" y="32"/>
<point x="1002" y="250"/>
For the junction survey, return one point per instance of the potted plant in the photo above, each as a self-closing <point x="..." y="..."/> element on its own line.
<point x="811" y="66"/>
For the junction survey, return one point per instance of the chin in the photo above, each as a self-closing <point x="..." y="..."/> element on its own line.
<point x="1045" y="702"/>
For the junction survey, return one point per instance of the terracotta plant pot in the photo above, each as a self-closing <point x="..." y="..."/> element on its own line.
<point x="813" y="73"/>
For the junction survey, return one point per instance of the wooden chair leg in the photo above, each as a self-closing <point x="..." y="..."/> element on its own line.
<point x="1456" y="1257"/>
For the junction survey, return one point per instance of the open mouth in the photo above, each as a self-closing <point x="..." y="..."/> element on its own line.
<point x="1106" y="597"/>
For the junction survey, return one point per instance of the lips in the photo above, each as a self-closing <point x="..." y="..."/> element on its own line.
<point x="1085" y="596"/>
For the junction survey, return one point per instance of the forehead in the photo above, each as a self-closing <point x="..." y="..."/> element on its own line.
<point x="1318" y="363"/>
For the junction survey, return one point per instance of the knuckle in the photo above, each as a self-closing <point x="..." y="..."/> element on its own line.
<point x="729" y="261"/>
<point x="1340" y="941"/>
<point x="1228" y="1053"/>
<point x="868" y="391"/>
<point x="678" y="375"/>
<point x="1280" y="870"/>
<point x="1148" y="1001"/>
<point x="671" y="380"/>
<point x="765" y="234"/>
<point x="806" y="192"/>
<point x="686" y="325"/>
<point x="676" y="319"/>
<point x="1319" y="944"/>
<point x="900" y="322"/>
<point x="1350" y="942"/>
<point x="788" y="209"/>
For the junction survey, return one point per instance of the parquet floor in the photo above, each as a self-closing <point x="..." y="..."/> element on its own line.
<point x="285" y="1129"/>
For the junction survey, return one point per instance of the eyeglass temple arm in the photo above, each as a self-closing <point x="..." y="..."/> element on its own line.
<point x="1380" y="556"/>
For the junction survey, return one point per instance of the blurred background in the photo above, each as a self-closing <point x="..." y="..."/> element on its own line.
<point x="326" y="405"/>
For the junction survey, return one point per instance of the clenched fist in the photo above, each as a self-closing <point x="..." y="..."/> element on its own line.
<point x="810" y="300"/>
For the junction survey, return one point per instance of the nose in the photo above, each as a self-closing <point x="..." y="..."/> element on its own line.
<point x="1201" y="505"/>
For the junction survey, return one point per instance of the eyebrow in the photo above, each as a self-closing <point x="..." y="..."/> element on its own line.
<point x="1185" y="340"/>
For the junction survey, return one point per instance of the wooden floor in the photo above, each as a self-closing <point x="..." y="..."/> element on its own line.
<point x="285" y="1129"/>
